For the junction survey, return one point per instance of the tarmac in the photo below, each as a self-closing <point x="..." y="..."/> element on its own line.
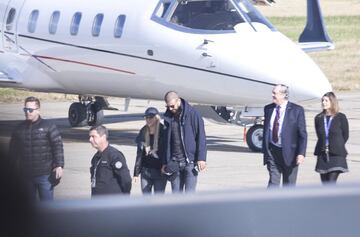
<point x="230" y="163"/>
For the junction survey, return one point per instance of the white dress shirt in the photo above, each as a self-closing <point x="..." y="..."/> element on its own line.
<point x="281" y="120"/>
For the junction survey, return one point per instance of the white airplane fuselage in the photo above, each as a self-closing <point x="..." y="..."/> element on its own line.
<point x="152" y="56"/>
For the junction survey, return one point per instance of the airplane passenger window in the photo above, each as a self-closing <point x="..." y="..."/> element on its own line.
<point x="54" y="20"/>
<point x="34" y="15"/>
<point x="207" y="14"/>
<point x="10" y="19"/>
<point x="74" y="29"/>
<point x="97" y="24"/>
<point x="119" y="25"/>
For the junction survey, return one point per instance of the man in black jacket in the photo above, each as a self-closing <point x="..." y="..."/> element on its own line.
<point x="185" y="143"/>
<point x="36" y="149"/>
<point x="109" y="171"/>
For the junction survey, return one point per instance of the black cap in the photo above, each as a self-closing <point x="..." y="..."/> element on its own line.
<point x="151" y="112"/>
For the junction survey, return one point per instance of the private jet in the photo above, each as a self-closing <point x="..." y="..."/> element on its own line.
<point x="222" y="55"/>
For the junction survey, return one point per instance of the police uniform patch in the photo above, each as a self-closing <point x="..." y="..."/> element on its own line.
<point x="118" y="165"/>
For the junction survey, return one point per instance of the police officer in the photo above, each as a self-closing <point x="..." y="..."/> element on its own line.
<point x="109" y="172"/>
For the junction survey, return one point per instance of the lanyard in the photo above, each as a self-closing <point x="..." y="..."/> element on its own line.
<point x="93" y="180"/>
<point x="327" y="126"/>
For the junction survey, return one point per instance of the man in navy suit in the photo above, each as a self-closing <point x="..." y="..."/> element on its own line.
<point x="284" y="138"/>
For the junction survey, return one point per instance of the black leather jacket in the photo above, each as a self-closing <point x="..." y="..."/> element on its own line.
<point x="36" y="147"/>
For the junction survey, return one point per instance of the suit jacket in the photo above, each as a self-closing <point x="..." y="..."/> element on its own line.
<point x="293" y="133"/>
<point x="338" y="135"/>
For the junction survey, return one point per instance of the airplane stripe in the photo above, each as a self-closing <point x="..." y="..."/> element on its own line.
<point x="8" y="38"/>
<point x="82" y="63"/>
<point x="69" y="61"/>
<point x="143" y="58"/>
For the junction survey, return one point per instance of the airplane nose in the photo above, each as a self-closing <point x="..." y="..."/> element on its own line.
<point x="291" y="66"/>
<point x="272" y="58"/>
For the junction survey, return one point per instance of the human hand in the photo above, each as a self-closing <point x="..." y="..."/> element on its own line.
<point x="300" y="159"/>
<point x="58" y="172"/>
<point x="201" y="165"/>
<point x="163" y="169"/>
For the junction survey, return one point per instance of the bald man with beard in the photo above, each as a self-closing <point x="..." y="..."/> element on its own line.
<point x="185" y="143"/>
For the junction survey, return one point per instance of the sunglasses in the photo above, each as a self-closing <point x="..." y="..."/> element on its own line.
<point x="30" y="110"/>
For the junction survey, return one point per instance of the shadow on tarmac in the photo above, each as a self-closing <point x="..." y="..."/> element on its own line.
<point x="118" y="136"/>
<point x="215" y="143"/>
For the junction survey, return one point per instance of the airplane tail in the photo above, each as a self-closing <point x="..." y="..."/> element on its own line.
<point x="315" y="37"/>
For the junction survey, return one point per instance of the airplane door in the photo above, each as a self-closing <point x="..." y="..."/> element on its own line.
<point x="9" y="25"/>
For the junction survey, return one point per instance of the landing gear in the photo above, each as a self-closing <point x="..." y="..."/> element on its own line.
<point x="77" y="115"/>
<point x="89" y="111"/>
<point x="254" y="137"/>
<point x="95" y="115"/>
<point x="244" y="116"/>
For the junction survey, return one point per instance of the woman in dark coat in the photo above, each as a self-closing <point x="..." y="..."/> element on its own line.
<point x="332" y="130"/>
<point x="149" y="152"/>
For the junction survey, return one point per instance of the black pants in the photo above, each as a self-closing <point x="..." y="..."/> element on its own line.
<point x="330" y="177"/>
<point x="277" y="167"/>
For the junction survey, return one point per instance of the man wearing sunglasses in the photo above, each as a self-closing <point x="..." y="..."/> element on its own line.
<point x="36" y="149"/>
<point x="185" y="143"/>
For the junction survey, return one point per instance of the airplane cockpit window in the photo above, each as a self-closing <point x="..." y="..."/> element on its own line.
<point x="74" y="29"/>
<point x="252" y="14"/>
<point x="54" y="20"/>
<point x="34" y="15"/>
<point x="97" y="24"/>
<point x="212" y="15"/>
<point x="207" y="15"/>
<point x="119" y="26"/>
<point x="10" y="19"/>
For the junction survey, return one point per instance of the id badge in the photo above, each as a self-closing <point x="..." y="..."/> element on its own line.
<point x="327" y="154"/>
<point x="93" y="183"/>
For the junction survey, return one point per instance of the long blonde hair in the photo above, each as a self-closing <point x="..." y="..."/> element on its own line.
<point x="147" y="144"/>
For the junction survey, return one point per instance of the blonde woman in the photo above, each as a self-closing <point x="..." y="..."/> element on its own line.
<point x="149" y="152"/>
<point x="332" y="130"/>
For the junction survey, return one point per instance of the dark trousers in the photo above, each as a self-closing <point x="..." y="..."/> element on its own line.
<point x="277" y="167"/>
<point x="186" y="178"/>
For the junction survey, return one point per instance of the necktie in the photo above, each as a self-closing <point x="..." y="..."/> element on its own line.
<point x="275" y="129"/>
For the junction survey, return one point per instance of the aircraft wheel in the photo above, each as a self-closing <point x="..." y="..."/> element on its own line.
<point x="254" y="137"/>
<point x="96" y="117"/>
<point x="77" y="115"/>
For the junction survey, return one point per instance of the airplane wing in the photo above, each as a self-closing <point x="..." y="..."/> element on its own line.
<point x="5" y="78"/>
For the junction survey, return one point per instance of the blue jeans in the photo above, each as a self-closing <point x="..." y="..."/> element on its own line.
<point x="41" y="185"/>
<point x="152" y="178"/>
<point x="186" y="178"/>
